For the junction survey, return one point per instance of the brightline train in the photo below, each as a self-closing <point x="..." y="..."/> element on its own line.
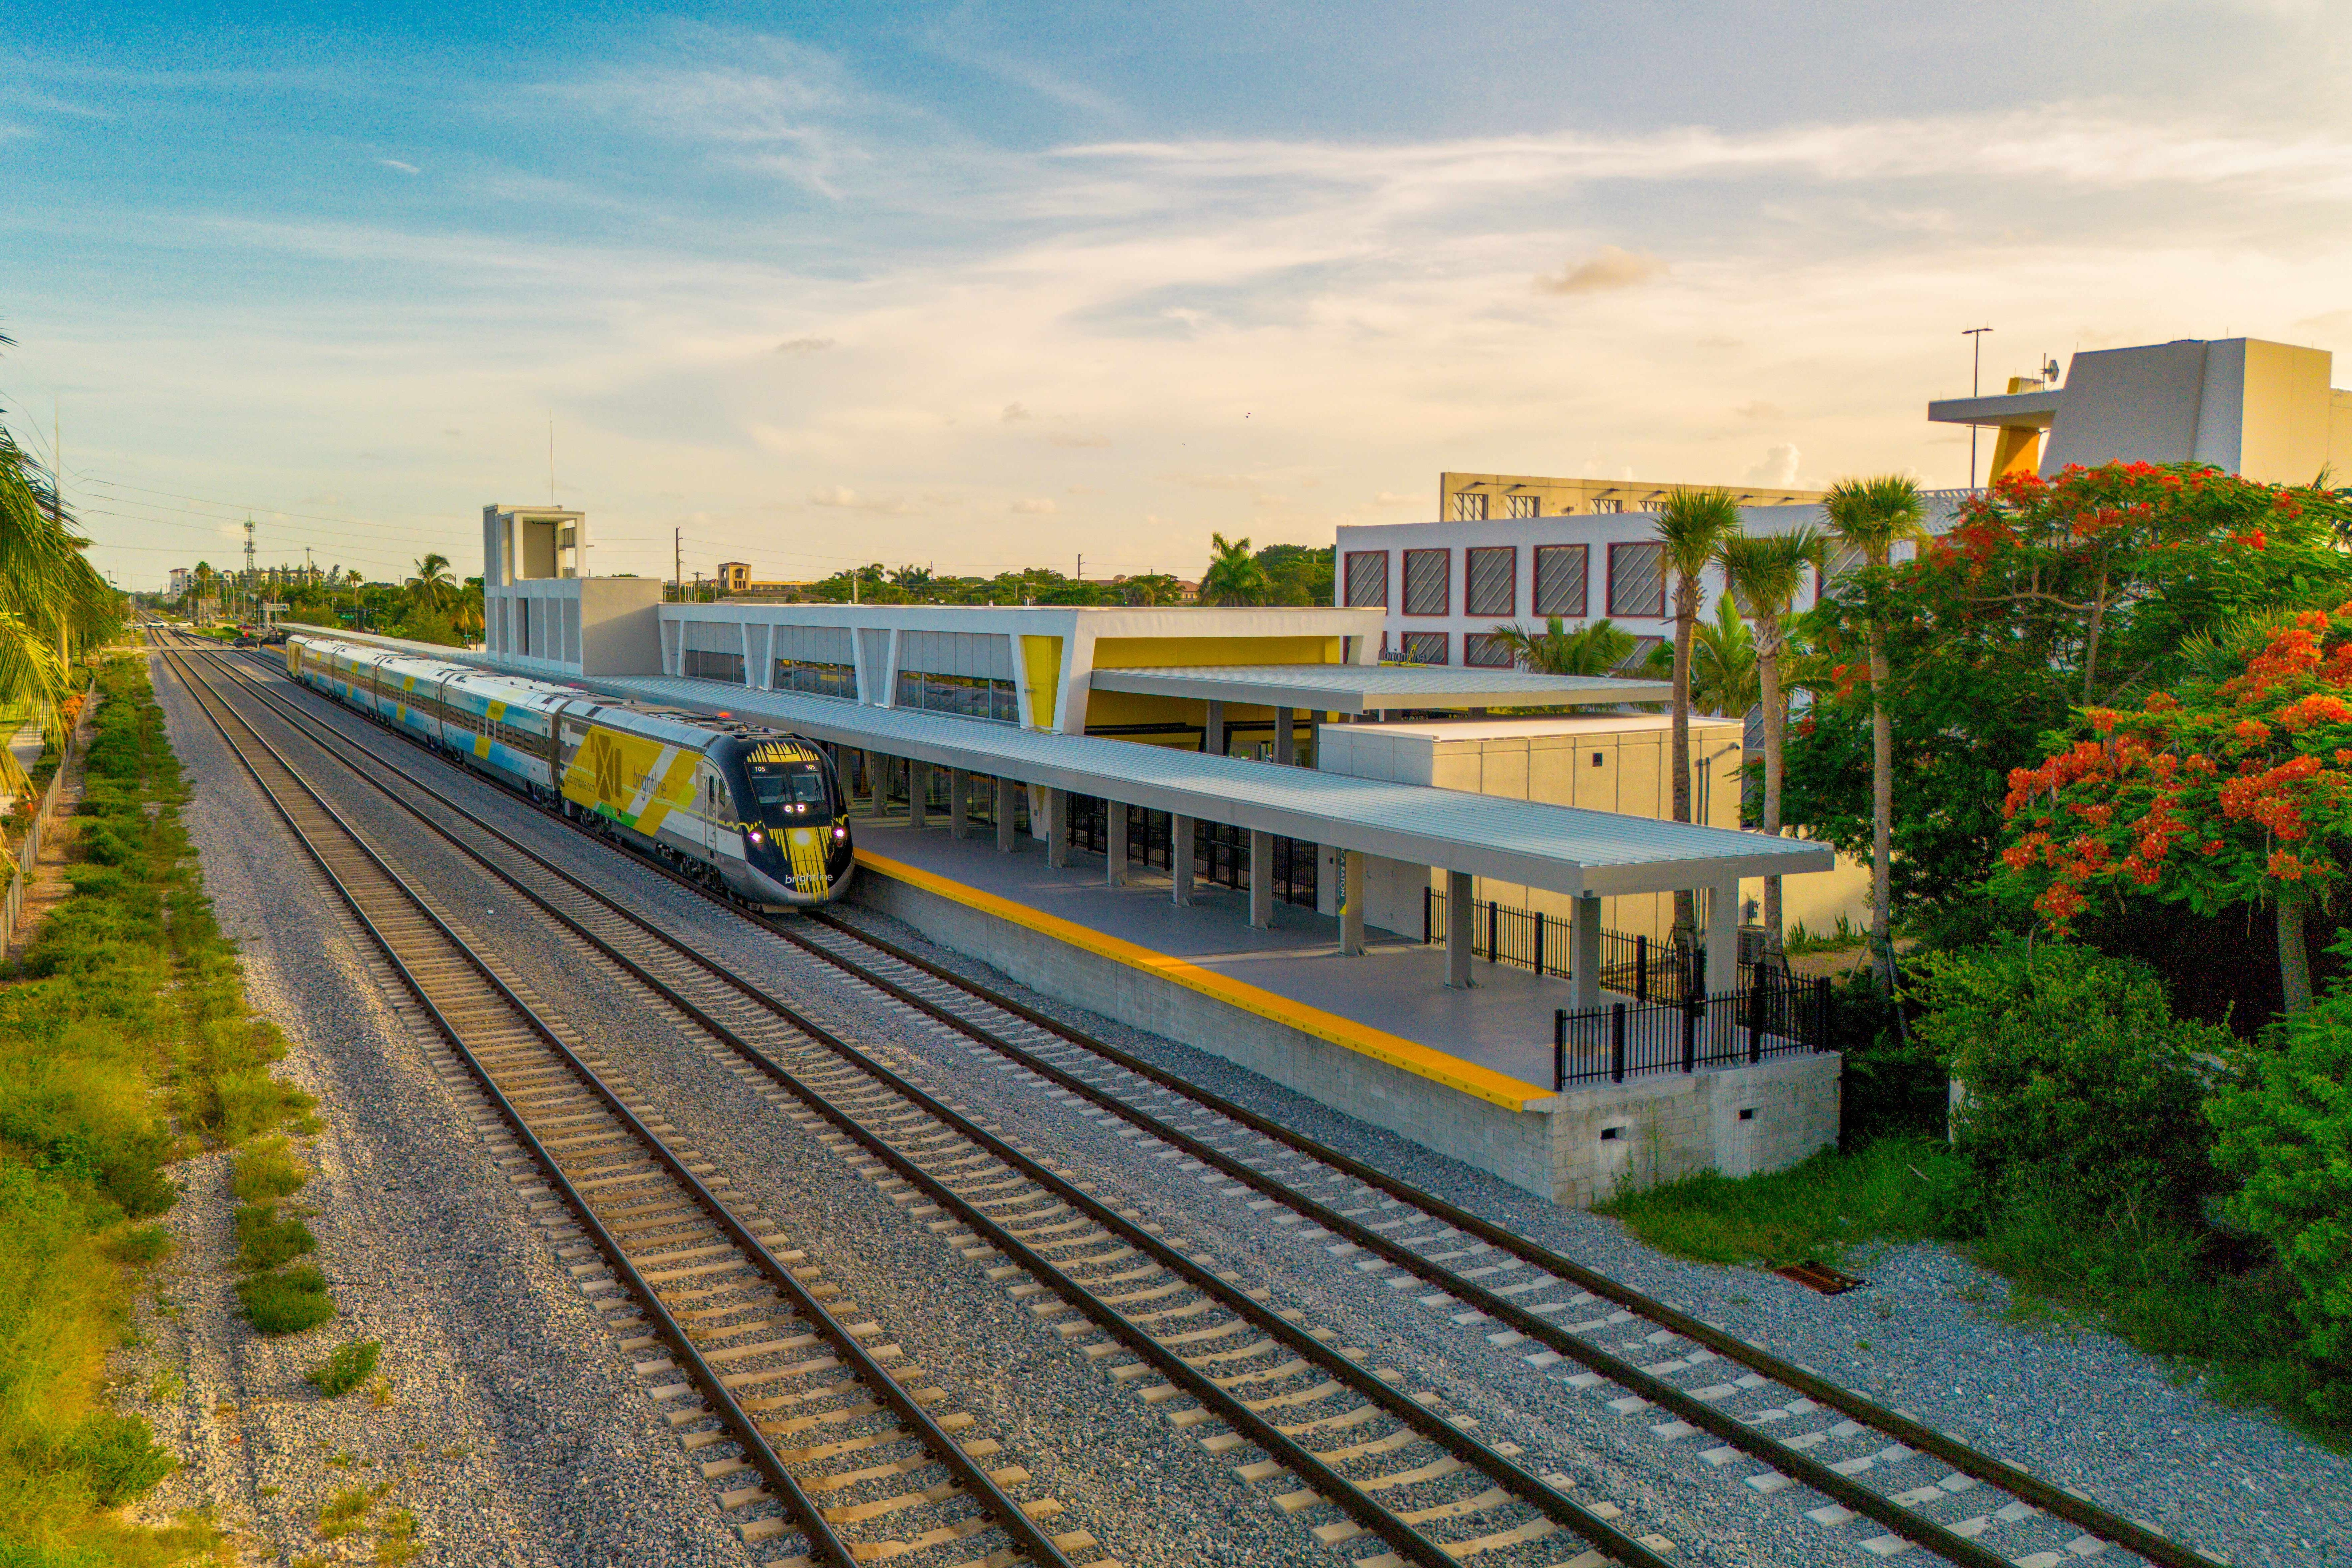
<point x="756" y="813"/>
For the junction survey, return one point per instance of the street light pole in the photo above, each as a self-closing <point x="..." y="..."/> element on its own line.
<point x="1976" y="388"/>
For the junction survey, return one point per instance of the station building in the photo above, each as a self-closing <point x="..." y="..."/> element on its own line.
<point x="1239" y="828"/>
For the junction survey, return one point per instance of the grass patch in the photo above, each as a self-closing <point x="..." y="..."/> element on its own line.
<point x="397" y="1544"/>
<point x="346" y="1369"/>
<point x="2137" y="1273"/>
<point x="343" y="1513"/>
<point x="267" y="1169"/>
<point x="263" y="1241"/>
<point x="1897" y="1189"/>
<point x="126" y="1014"/>
<point x="288" y="1301"/>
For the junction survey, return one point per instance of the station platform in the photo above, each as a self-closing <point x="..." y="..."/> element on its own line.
<point x="1493" y="1040"/>
<point x="1381" y="1036"/>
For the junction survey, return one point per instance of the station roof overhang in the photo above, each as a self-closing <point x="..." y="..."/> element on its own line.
<point x="2014" y="411"/>
<point x="1561" y="848"/>
<point x="1369" y="688"/>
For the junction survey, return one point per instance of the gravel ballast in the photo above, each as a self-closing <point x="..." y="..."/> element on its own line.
<point x="515" y="1433"/>
<point x="1928" y="1335"/>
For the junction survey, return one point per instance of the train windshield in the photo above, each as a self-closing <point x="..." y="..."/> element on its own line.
<point x="787" y="791"/>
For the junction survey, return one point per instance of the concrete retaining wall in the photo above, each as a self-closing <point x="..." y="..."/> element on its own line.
<point x="1574" y="1149"/>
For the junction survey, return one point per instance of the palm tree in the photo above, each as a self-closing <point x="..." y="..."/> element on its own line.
<point x="1767" y="572"/>
<point x="1691" y="525"/>
<point x="1234" y="576"/>
<point x="1872" y="515"/>
<point x="1595" y="649"/>
<point x="432" y="586"/>
<point x="51" y="598"/>
<point x="1723" y="662"/>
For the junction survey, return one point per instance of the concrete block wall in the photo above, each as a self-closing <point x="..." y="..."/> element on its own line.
<point x="1741" y="1121"/>
<point x="1575" y="1148"/>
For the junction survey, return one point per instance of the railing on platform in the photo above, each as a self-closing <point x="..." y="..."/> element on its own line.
<point x="1220" y="850"/>
<point x="1772" y="1015"/>
<point x="1648" y="970"/>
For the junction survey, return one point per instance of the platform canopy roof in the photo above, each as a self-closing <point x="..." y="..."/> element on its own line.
<point x="1562" y="849"/>
<point x="1369" y="688"/>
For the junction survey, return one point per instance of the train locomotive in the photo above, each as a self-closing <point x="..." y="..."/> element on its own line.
<point x="756" y="813"/>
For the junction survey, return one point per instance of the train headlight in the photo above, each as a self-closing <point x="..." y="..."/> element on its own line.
<point x="840" y="833"/>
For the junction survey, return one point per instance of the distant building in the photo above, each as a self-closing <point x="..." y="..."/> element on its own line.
<point x="179" y="580"/>
<point x="734" y="576"/>
<point x="2247" y="406"/>
<point x="1484" y="498"/>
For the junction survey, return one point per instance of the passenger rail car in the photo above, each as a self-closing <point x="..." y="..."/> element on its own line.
<point x="754" y="812"/>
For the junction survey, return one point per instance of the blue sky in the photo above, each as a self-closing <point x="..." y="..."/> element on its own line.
<point x="983" y="286"/>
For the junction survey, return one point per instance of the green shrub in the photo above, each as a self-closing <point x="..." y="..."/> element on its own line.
<point x="139" y="1246"/>
<point x="263" y="1241"/>
<point x="2286" y="1127"/>
<point x="267" y="1169"/>
<point x="346" y="1369"/>
<point x="2079" y="1083"/>
<point x="117" y="1454"/>
<point x="288" y="1302"/>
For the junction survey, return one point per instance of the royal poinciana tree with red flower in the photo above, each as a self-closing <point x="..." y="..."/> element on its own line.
<point x="2224" y="795"/>
<point x="2043" y="597"/>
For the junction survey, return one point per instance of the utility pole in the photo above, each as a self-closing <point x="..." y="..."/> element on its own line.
<point x="677" y="559"/>
<point x="1975" y="335"/>
<point x="1082" y="566"/>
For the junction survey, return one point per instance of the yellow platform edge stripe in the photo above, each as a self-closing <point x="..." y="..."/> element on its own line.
<point x="1411" y="1056"/>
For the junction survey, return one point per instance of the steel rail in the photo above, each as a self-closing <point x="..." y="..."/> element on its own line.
<point x="808" y="1519"/>
<point x="2094" y="1520"/>
<point x="1793" y="1463"/>
<point x="1301" y="1461"/>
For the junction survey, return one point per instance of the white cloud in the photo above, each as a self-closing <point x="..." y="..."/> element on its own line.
<point x="396" y="163"/>
<point x="798" y="346"/>
<point x="1035" y="506"/>
<point x="1779" y="468"/>
<point x="1608" y="268"/>
<point x="843" y="496"/>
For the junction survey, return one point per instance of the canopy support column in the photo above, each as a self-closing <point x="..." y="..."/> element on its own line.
<point x="1261" y="851"/>
<point x="1351" y="903"/>
<point x="1008" y="795"/>
<point x="1457" y="930"/>
<point x="1057" y="828"/>
<point x="1723" y="938"/>
<point x="1286" y="748"/>
<point x="959" y="803"/>
<point x="1213" y="737"/>
<point x="1584" y="962"/>
<point x="1115" y="843"/>
<point x="1179" y="859"/>
<point x="919" y="794"/>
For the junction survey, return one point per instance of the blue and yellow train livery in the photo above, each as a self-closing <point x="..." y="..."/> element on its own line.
<point x="752" y="812"/>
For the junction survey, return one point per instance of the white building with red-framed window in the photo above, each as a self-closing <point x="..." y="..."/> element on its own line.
<point x="1446" y="586"/>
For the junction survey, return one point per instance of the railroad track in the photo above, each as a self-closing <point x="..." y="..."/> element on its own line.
<point x="1730" y="1402"/>
<point x="1343" y="1446"/>
<point x="811" y="1436"/>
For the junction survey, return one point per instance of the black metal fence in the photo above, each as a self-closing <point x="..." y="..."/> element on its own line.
<point x="1220" y="850"/>
<point x="1772" y="1014"/>
<point x="1648" y="970"/>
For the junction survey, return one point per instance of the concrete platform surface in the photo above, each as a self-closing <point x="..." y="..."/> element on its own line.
<point x="1503" y="1024"/>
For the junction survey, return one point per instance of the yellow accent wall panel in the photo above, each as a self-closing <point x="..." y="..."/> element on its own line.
<point x="1041" y="675"/>
<point x="1168" y="653"/>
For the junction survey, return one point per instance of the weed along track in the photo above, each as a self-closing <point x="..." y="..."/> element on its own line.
<point x="1304" y="1411"/>
<point x="819" y="1440"/>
